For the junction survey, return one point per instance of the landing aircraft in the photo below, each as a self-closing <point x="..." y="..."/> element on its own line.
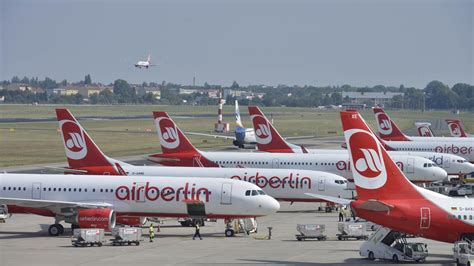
<point x="144" y="64"/>
<point x="103" y="201"/>
<point x="463" y="147"/>
<point x="386" y="197"/>
<point x="177" y="150"/>
<point x="454" y="165"/>
<point x="282" y="184"/>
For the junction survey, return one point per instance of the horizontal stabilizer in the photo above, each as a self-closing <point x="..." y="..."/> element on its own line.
<point x="375" y="205"/>
<point x="329" y="198"/>
<point x="66" y="170"/>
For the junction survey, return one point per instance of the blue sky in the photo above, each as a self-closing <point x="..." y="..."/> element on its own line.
<point x="326" y="42"/>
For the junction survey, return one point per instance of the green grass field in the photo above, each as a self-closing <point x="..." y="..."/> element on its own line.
<point x="34" y="143"/>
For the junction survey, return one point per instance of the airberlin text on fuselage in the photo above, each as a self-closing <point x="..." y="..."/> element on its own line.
<point x="142" y="192"/>
<point x="453" y="149"/>
<point x="276" y="181"/>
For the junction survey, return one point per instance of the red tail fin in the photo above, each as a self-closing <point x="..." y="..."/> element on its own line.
<point x="388" y="130"/>
<point x="424" y="129"/>
<point x="172" y="139"/>
<point x="81" y="151"/>
<point x="376" y="176"/>
<point x="268" y="138"/>
<point x="455" y="128"/>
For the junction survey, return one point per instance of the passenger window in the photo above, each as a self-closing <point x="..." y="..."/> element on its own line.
<point x="75" y="189"/>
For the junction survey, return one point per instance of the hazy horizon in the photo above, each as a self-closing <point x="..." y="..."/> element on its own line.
<point x="320" y="43"/>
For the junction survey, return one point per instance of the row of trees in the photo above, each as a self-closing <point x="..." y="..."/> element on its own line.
<point x="435" y="95"/>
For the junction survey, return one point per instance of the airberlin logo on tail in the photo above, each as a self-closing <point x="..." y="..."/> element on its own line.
<point x="369" y="170"/>
<point x="168" y="133"/>
<point x="455" y="129"/>
<point x="424" y="131"/>
<point x="74" y="139"/>
<point x="385" y="125"/>
<point x="262" y="129"/>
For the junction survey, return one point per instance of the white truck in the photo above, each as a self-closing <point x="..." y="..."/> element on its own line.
<point x="3" y="213"/>
<point x="391" y="245"/>
<point x="463" y="252"/>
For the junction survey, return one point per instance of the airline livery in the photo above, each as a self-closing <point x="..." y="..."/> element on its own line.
<point x="455" y="129"/>
<point x="453" y="164"/>
<point x="178" y="151"/>
<point x="424" y="129"/>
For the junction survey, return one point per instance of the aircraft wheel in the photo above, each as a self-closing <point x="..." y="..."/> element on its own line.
<point x="371" y="256"/>
<point x="395" y="258"/>
<point x="55" y="229"/>
<point x="229" y="233"/>
<point x="61" y="229"/>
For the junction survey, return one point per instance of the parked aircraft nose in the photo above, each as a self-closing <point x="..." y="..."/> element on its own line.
<point x="269" y="205"/>
<point x="439" y="174"/>
<point x="468" y="167"/>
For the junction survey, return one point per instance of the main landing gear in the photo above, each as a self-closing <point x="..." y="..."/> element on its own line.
<point x="55" y="230"/>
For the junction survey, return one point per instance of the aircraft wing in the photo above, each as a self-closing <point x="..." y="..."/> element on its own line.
<point x="331" y="199"/>
<point x="211" y="135"/>
<point x="65" y="169"/>
<point x="376" y="206"/>
<point x="53" y="204"/>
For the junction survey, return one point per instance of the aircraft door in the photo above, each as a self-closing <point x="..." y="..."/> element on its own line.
<point x="226" y="194"/>
<point x="411" y="165"/>
<point x="425" y="218"/>
<point x="36" y="191"/>
<point x="275" y="164"/>
<point x="322" y="184"/>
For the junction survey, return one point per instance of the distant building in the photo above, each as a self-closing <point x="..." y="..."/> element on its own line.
<point x="85" y="90"/>
<point x="370" y="98"/>
<point x="156" y="91"/>
<point x="24" y="87"/>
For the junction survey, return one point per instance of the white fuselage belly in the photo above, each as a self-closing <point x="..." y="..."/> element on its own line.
<point x="338" y="164"/>
<point x="146" y="196"/>
<point x="284" y="184"/>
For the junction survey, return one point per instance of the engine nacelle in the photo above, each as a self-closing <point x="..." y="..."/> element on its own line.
<point x="131" y="220"/>
<point x="96" y="218"/>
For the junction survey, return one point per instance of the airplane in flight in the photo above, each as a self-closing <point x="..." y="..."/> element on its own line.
<point x="91" y="201"/>
<point x="456" y="130"/>
<point x="144" y="64"/>
<point x="424" y="129"/>
<point x="453" y="164"/>
<point x="386" y="197"/>
<point x="463" y="147"/>
<point x="85" y="157"/>
<point x="177" y="150"/>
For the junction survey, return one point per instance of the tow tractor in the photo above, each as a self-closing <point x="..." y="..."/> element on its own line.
<point x="464" y="252"/>
<point x="392" y="245"/>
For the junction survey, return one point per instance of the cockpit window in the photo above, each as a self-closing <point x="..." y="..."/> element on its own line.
<point x="247" y="193"/>
<point x="261" y="192"/>
<point x="254" y="193"/>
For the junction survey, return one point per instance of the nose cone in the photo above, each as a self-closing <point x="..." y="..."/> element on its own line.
<point x="439" y="174"/>
<point x="468" y="168"/>
<point x="269" y="205"/>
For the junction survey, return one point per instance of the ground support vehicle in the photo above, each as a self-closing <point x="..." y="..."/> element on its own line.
<point x="354" y="229"/>
<point x="126" y="236"/>
<point x="83" y="237"/>
<point x="463" y="252"/>
<point x="311" y="231"/>
<point x="392" y="245"/>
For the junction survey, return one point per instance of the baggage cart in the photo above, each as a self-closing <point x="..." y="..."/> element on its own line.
<point x="355" y="230"/>
<point x="83" y="237"/>
<point x="126" y="236"/>
<point x="311" y="231"/>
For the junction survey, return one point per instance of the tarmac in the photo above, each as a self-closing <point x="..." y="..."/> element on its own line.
<point x="24" y="241"/>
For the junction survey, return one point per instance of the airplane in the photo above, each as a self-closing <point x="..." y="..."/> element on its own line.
<point x="463" y="147"/>
<point x="282" y="184"/>
<point x="177" y="150"/>
<point x="453" y="164"/>
<point x="424" y="129"/>
<point x="144" y="64"/>
<point x="455" y="129"/>
<point x="386" y="197"/>
<point x="100" y="201"/>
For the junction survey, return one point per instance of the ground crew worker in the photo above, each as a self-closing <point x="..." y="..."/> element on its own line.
<point x="152" y="233"/>
<point x="197" y="233"/>
<point x="341" y="215"/>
